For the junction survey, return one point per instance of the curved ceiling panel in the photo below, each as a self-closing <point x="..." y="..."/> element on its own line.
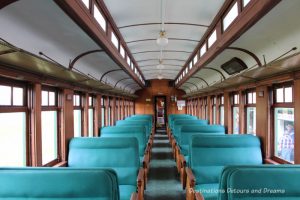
<point x="41" y="26"/>
<point x="183" y="30"/>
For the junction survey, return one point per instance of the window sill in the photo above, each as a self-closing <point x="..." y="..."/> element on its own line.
<point x="61" y="164"/>
<point x="270" y="161"/>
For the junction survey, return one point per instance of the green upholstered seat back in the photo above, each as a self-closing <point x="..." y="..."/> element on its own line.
<point x="139" y="132"/>
<point x="120" y="154"/>
<point x="58" y="184"/>
<point x="135" y="123"/>
<point x="178" y="123"/>
<point x="187" y="131"/>
<point x="172" y="122"/>
<point x="260" y="182"/>
<point x="209" y="154"/>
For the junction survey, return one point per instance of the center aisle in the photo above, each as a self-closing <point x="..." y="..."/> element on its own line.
<point x="163" y="179"/>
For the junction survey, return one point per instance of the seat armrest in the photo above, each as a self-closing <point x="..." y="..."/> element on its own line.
<point x="190" y="176"/>
<point x="199" y="196"/>
<point x="134" y="196"/>
<point x="190" y="184"/>
<point x="141" y="184"/>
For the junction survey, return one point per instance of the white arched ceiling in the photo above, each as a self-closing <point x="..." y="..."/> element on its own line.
<point x="41" y="26"/>
<point x="273" y="36"/>
<point x="135" y="20"/>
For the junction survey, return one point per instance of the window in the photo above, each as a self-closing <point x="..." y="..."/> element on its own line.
<point x="204" y="108"/>
<point x="231" y="15"/>
<point x="214" y="110"/>
<point x="99" y="18"/>
<point x="114" y="40"/>
<point x="77" y="105"/>
<point x="86" y="3"/>
<point x="251" y="112"/>
<point x="203" y="50"/>
<point x="235" y="114"/>
<point x="195" y="60"/>
<point x="191" y="64"/>
<point x="128" y="61"/>
<point x="186" y="70"/>
<point x="91" y="116"/>
<point x="245" y="2"/>
<point x="122" y="51"/>
<point x="221" y="109"/>
<point x="117" y="109"/>
<point x="49" y="125"/>
<point x="212" y="38"/>
<point x="109" y="112"/>
<point x="102" y="111"/>
<point x="13" y="131"/>
<point x="284" y="122"/>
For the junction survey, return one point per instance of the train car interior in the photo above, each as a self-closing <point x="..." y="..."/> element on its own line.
<point x="149" y="100"/>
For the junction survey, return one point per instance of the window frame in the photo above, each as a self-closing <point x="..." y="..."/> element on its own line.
<point x="221" y="104"/>
<point x="248" y="104"/>
<point x="275" y="105"/>
<point x="235" y="104"/>
<point x="16" y="108"/>
<point x="57" y="108"/>
<point x="91" y="106"/>
<point x="80" y="107"/>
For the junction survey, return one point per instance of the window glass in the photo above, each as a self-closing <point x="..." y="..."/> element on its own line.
<point x="284" y="133"/>
<point x="245" y="2"/>
<point x="108" y="117"/>
<point x="236" y="99"/>
<point x="13" y="139"/>
<point x="44" y="98"/>
<point x="49" y="136"/>
<point x="212" y="38"/>
<point x="222" y="115"/>
<point x="77" y="123"/>
<point x="102" y="116"/>
<point x="236" y="120"/>
<point x="191" y="65"/>
<point x="214" y="115"/>
<point x="90" y="101"/>
<point x="251" y="120"/>
<point x="195" y="59"/>
<point x="5" y="92"/>
<point x="122" y="51"/>
<point x="231" y="15"/>
<point x="203" y="50"/>
<point x="52" y="99"/>
<point x="254" y="97"/>
<point x="99" y="18"/>
<point x="288" y="94"/>
<point x="91" y="122"/>
<point x="86" y="3"/>
<point x="279" y="95"/>
<point x="250" y="99"/>
<point x="114" y="40"/>
<point x="18" y="96"/>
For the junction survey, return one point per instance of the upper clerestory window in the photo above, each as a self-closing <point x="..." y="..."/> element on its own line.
<point x="114" y="40"/>
<point x="231" y="15"/>
<point x="212" y="38"/>
<point x="99" y="18"/>
<point x="86" y="3"/>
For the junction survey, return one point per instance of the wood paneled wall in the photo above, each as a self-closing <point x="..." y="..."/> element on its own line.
<point x="158" y="88"/>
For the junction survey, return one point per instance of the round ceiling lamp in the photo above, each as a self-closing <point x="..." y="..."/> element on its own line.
<point x="160" y="65"/>
<point x="162" y="40"/>
<point x="160" y="76"/>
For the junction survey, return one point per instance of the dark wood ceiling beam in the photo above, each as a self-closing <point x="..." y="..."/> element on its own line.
<point x="82" y="16"/>
<point x="72" y="63"/>
<point x="169" y="23"/>
<point x="246" y="19"/>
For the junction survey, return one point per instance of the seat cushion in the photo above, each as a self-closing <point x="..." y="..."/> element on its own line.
<point x="209" y="191"/>
<point x="184" y="150"/>
<point x="126" y="191"/>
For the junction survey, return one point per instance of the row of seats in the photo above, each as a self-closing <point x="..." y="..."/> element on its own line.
<point x="110" y="167"/>
<point x="218" y="166"/>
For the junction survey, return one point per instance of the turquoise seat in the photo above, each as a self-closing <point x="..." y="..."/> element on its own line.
<point x="172" y="122"/>
<point x="138" y="119"/>
<point x="139" y="132"/>
<point x="58" y="184"/>
<point x="119" y="154"/>
<point x="210" y="154"/>
<point x="185" y="133"/>
<point x="260" y="182"/>
<point x="144" y="123"/>
<point x="178" y="123"/>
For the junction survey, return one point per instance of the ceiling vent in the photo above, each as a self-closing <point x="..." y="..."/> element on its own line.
<point x="233" y="66"/>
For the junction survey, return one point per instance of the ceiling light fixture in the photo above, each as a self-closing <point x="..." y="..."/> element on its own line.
<point x="162" y="41"/>
<point x="160" y="65"/>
